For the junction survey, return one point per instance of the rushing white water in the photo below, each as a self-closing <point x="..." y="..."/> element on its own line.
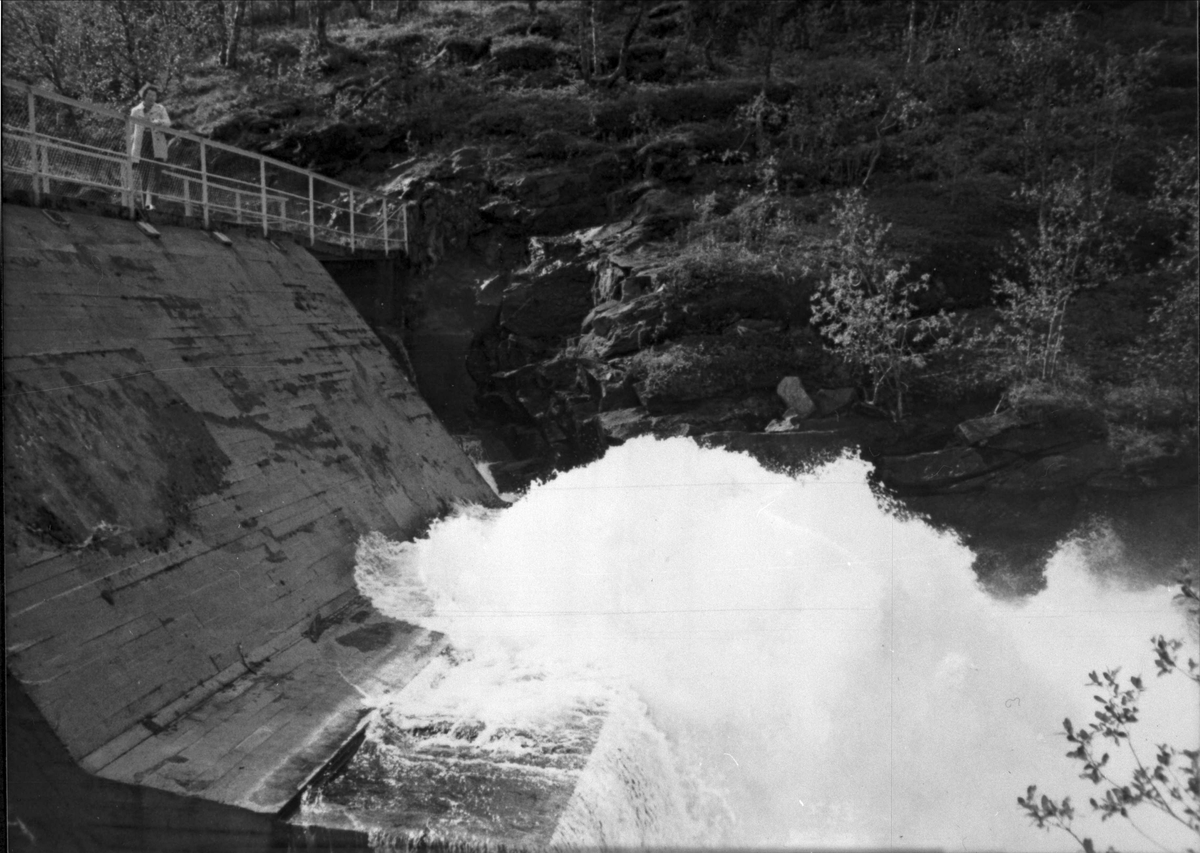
<point x="814" y="670"/>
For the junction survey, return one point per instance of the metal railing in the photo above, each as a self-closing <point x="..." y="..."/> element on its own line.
<point x="57" y="146"/>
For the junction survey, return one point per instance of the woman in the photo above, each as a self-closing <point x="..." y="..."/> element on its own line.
<point x="148" y="151"/>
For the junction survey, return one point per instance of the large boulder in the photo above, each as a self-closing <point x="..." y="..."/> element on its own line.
<point x="796" y="400"/>
<point x="547" y="300"/>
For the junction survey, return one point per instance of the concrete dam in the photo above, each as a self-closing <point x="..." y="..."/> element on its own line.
<point x="196" y="435"/>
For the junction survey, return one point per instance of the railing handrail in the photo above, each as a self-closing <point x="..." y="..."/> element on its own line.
<point x="184" y="134"/>
<point x="353" y="196"/>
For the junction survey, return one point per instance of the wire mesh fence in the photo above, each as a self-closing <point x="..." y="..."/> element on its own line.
<point x="56" y="146"/>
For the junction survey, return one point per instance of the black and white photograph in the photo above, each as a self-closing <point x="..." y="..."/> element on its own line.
<point x="464" y="426"/>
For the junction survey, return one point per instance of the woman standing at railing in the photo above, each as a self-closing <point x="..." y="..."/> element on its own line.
<point x="148" y="151"/>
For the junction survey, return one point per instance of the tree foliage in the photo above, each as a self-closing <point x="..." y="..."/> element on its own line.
<point x="230" y="18"/>
<point x="103" y="50"/>
<point x="867" y="308"/>
<point x="1073" y="248"/>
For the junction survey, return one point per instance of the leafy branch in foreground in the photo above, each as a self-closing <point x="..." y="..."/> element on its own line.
<point x="1170" y="783"/>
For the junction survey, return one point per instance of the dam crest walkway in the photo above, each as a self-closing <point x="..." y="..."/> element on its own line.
<point x="59" y="147"/>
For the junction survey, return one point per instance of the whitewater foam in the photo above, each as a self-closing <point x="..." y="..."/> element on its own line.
<point x="812" y="669"/>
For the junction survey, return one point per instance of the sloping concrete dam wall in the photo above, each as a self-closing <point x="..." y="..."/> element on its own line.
<point x="195" y="436"/>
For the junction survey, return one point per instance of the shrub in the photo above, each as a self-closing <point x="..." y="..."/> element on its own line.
<point x="1135" y="444"/>
<point x="1174" y="350"/>
<point x="866" y="308"/>
<point x="1073" y="249"/>
<point x="827" y="128"/>
<point x="1145" y="403"/>
<point x="1075" y="103"/>
<point x="1070" y="389"/>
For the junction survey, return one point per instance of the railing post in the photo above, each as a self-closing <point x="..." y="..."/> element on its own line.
<point x="129" y="175"/>
<point x="262" y="190"/>
<point x="34" y="149"/>
<point x="45" y="168"/>
<point x="387" y="245"/>
<point x="187" y="196"/>
<point x="351" y="220"/>
<point x="204" y="181"/>
<point x="312" y="214"/>
<point x="404" y="210"/>
<point x="237" y="204"/>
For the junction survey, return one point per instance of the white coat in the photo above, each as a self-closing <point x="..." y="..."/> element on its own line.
<point x="157" y="115"/>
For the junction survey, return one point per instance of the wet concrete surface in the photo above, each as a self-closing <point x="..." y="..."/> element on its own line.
<point x="53" y="805"/>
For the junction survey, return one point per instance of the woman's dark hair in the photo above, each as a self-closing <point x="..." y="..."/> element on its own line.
<point x="147" y="87"/>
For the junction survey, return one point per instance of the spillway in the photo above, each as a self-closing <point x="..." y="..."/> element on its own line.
<point x="196" y="435"/>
